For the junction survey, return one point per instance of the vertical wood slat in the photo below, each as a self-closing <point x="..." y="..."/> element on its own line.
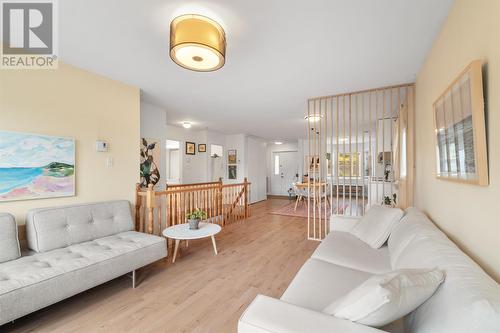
<point x="350" y="156"/>
<point x="391" y="171"/>
<point x="343" y="151"/>
<point x="357" y="152"/>
<point x="337" y="159"/>
<point x="308" y="130"/>
<point x="363" y="166"/>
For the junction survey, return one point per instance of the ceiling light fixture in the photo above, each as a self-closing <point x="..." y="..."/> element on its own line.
<point x="186" y="124"/>
<point x="313" y="118"/>
<point x="278" y="142"/>
<point x="197" y="43"/>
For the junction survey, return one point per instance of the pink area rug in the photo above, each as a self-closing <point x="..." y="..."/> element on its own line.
<point x="288" y="209"/>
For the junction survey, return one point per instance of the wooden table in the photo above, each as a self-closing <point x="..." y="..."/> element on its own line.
<point x="318" y="187"/>
<point x="305" y="185"/>
<point x="182" y="232"/>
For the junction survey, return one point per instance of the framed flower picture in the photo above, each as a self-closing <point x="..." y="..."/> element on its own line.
<point x="231" y="156"/>
<point x="202" y="148"/>
<point x="460" y="130"/>
<point x="190" y="148"/>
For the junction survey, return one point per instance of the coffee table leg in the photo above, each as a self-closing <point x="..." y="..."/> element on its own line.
<point x="177" y="241"/>
<point x="215" y="246"/>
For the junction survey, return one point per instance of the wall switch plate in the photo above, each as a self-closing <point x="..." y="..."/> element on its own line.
<point x="101" y="146"/>
<point x="109" y="162"/>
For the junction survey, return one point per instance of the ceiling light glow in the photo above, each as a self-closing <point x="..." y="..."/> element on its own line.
<point x="197" y="43"/>
<point x="313" y="118"/>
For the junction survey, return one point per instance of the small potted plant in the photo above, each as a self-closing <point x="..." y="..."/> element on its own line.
<point x="390" y="202"/>
<point x="194" y="218"/>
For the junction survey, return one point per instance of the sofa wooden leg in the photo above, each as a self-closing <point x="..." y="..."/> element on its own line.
<point x="133" y="279"/>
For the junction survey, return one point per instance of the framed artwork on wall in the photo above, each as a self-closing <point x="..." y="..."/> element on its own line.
<point x="232" y="172"/>
<point x="460" y="130"/>
<point x="36" y="166"/>
<point x="150" y="159"/>
<point x="202" y="148"/>
<point x="190" y="148"/>
<point x="231" y="156"/>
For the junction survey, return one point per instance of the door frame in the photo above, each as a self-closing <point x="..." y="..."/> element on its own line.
<point x="272" y="168"/>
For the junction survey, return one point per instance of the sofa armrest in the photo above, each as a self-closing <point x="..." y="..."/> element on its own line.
<point x="266" y="314"/>
<point x="343" y="223"/>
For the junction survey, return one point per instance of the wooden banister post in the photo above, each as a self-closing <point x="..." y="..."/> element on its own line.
<point x="220" y="203"/>
<point x="150" y="205"/>
<point x="137" y="207"/>
<point x="245" y="184"/>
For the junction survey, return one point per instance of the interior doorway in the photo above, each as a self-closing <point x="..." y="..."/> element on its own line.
<point x="173" y="162"/>
<point x="285" y="172"/>
<point x="217" y="162"/>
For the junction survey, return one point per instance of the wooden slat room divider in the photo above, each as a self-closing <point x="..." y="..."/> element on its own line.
<point x="360" y="153"/>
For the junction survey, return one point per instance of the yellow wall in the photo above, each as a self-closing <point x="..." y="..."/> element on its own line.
<point x="71" y="102"/>
<point x="469" y="214"/>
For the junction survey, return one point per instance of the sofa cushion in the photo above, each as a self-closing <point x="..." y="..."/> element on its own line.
<point x="33" y="282"/>
<point x="9" y="242"/>
<point x="467" y="301"/>
<point x="318" y="283"/>
<point x="41" y="266"/>
<point x="344" y="249"/>
<point x="375" y="226"/>
<point x="385" y="298"/>
<point x="414" y="225"/>
<point x="58" y="227"/>
<point x="269" y="315"/>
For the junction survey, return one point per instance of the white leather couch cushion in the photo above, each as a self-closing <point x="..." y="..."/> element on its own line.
<point x="467" y="301"/>
<point x="385" y="298"/>
<point x="343" y="223"/>
<point x="269" y="315"/>
<point x="375" y="226"/>
<point x="345" y="249"/>
<point x="57" y="227"/>
<point x="318" y="283"/>
<point x="9" y="242"/>
<point x="414" y="225"/>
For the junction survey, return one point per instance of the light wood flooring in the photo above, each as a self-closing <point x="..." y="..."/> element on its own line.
<point x="200" y="292"/>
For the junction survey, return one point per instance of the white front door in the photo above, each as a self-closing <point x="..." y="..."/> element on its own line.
<point x="174" y="176"/>
<point x="285" y="170"/>
<point x="173" y="170"/>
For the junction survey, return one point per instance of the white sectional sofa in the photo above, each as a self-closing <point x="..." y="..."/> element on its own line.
<point x="75" y="248"/>
<point x="467" y="302"/>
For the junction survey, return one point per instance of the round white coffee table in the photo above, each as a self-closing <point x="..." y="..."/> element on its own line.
<point x="182" y="232"/>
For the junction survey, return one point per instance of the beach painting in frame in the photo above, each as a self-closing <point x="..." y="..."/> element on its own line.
<point x="36" y="166"/>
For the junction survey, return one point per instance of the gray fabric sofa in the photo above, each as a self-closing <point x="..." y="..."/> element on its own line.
<point x="75" y="248"/>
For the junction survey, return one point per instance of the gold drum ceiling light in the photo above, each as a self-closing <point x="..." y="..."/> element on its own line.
<point x="197" y="43"/>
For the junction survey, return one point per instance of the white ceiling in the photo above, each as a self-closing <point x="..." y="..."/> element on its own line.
<point x="279" y="53"/>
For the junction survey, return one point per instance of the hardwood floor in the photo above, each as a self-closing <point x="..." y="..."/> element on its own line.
<point x="200" y="292"/>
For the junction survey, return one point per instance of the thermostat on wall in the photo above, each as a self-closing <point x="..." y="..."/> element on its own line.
<point x="101" y="146"/>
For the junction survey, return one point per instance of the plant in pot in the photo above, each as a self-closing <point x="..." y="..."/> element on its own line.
<point x="390" y="202"/>
<point x="194" y="218"/>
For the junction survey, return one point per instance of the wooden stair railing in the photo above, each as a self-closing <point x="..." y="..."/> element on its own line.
<point x="234" y="204"/>
<point x="157" y="210"/>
